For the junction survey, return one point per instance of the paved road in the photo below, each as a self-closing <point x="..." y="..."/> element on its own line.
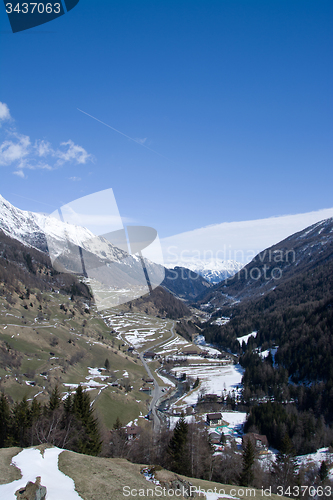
<point x="157" y="392"/>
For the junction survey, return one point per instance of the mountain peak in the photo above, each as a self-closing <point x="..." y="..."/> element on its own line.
<point x="213" y="270"/>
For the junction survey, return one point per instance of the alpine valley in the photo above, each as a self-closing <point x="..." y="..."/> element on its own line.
<point x="221" y="377"/>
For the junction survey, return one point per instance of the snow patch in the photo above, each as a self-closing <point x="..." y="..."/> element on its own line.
<point x="33" y="464"/>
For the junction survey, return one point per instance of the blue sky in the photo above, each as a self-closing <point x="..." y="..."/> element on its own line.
<point x="232" y="98"/>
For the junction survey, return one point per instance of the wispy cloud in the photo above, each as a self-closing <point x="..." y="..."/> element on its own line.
<point x="141" y="141"/>
<point x="239" y="241"/>
<point x="19" y="173"/>
<point x="17" y="150"/>
<point x="4" y="112"/>
<point x="72" y="152"/>
<point x="75" y="179"/>
<point x="43" y="148"/>
<point x="138" y="141"/>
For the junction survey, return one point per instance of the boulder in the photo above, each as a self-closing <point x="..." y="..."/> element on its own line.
<point x="32" y="491"/>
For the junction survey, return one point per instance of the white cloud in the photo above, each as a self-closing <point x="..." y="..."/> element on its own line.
<point x="18" y="151"/>
<point x="74" y="153"/>
<point x="43" y="166"/>
<point x="43" y="148"/>
<point x="19" y="173"/>
<point x="11" y="152"/>
<point x="4" y="112"/>
<point x="75" y="179"/>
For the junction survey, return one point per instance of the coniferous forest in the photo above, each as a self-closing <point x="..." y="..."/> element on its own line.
<point x="67" y="424"/>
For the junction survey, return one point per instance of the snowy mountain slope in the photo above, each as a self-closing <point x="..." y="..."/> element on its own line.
<point x="300" y="252"/>
<point x="42" y="232"/>
<point x="213" y="270"/>
<point x="77" y="250"/>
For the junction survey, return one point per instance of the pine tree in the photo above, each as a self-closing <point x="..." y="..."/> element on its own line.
<point x="82" y="409"/>
<point x="247" y="474"/>
<point x="68" y="404"/>
<point x="55" y="399"/>
<point x="196" y="383"/>
<point x="20" y="422"/>
<point x="323" y="471"/>
<point x="4" y="421"/>
<point x="117" y="425"/>
<point x="177" y="448"/>
<point x="107" y="364"/>
<point x="284" y="470"/>
<point x="35" y="410"/>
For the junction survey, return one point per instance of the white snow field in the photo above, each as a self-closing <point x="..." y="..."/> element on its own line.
<point x="213" y="380"/>
<point x="138" y="329"/>
<point x="323" y="454"/>
<point x="245" y="338"/>
<point x="32" y="464"/>
<point x="236" y="421"/>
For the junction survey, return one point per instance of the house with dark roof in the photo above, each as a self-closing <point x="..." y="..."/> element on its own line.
<point x="132" y="432"/>
<point x="260" y="442"/>
<point x="214" y="419"/>
<point x="149" y="354"/>
<point x="146" y="390"/>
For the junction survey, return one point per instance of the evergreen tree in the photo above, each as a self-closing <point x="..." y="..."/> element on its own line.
<point x="323" y="471"/>
<point x="20" y="422"/>
<point x="283" y="472"/>
<point x="35" y="410"/>
<point x="55" y="399"/>
<point x="196" y="383"/>
<point x="68" y="404"/>
<point x="247" y="473"/>
<point x="107" y="364"/>
<point x="4" y="421"/>
<point x="177" y="448"/>
<point x="117" y="425"/>
<point x="90" y="442"/>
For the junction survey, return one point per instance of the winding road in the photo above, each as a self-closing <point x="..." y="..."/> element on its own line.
<point x="157" y="393"/>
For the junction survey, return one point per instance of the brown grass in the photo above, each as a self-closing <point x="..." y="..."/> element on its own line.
<point x="104" y="478"/>
<point x="8" y="473"/>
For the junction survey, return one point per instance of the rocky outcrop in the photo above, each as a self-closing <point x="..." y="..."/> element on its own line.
<point x="32" y="491"/>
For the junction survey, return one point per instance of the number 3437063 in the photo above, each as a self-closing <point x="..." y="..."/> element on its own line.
<point x="33" y="8"/>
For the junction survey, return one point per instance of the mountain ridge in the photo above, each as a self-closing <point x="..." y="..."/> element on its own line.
<point x="299" y="252"/>
<point x="62" y="241"/>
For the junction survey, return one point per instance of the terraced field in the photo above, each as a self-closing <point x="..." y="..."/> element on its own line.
<point x="47" y="339"/>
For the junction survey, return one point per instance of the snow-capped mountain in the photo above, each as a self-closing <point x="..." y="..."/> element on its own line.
<point x="213" y="270"/>
<point x="77" y="250"/>
<point x="41" y="231"/>
<point x="23" y="226"/>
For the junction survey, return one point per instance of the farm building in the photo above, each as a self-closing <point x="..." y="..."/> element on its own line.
<point x="214" y="419"/>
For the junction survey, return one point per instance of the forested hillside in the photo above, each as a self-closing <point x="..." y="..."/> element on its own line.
<point x="288" y="359"/>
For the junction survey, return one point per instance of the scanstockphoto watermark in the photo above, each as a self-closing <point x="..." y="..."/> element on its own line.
<point x="87" y="237"/>
<point x="266" y="265"/>
<point x="187" y="492"/>
<point x="194" y="491"/>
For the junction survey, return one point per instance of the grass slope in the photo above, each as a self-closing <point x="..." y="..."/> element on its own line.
<point x="48" y="340"/>
<point x="104" y="478"/>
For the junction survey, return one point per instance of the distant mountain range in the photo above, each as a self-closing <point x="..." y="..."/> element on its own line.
<point x="213" y="270"/>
